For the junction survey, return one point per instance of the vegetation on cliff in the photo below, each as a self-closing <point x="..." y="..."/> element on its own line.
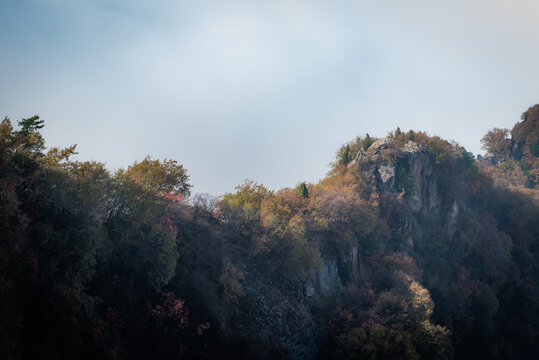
<point x="409" y="248"/>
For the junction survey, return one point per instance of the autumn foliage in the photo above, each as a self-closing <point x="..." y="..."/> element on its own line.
<point x="129" y="265"/>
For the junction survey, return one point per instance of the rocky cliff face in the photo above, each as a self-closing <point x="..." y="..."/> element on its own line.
<point x="285" y="323"/>
<point x="402" y="171"/>
<point x="425" y="197"/>
<point x="383" y="159"/>
<point x="407" y="174"/>
<point x="325" y="280"/>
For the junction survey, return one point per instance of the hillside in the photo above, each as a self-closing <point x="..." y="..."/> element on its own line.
<point x="409" y="248"/>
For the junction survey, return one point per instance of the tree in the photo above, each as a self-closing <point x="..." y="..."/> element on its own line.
<point x="30" y="124"/>
<point x="345" y="155"/>
<point x="242" y="209"/>
<point x="526" y="132"/>
<point x="497" y="143"/>
<point x="163" y="177"/>
<point x="367" y="142"/>
<point x="302" y="190"/>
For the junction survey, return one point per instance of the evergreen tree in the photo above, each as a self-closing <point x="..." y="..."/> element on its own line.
<point x="302" y="190"/>
<point x="29" y="124"/>
<point x="367" y="142"/>
<point x="345" y="156"/>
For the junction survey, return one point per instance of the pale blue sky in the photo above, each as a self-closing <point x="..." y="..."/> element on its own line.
<point x="264" y="90"/>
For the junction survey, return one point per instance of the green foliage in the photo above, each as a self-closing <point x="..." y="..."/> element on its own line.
<point x="345" y="157"/>
<point x="302" y="191"/>
<point x="160" y="176"/>
<point x="101" y="265"/>
<point x="401" y="138"/>
<point x="31" y="124"/>
<point x="397" y="326"/>
<point x="242" y="209"/>
<point x="439" y="151"/>
<point x="366" y="143"/>
<point x="59" y="157"/>
<point x="404" y="181"/>
<point x="275" y="235"/>
<point x="467" y="232"/>
<point x="27" y="142"/>
<point x="466" y="159"/>
<point x="342" y="218"/>
<point x="525" y="166"/>
<point x="348" y="152"/>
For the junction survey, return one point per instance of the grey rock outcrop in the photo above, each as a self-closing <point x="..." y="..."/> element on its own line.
<point x="285" y="322"/>
<point x="380" y="172"/>
<point x="425" y="197"/>
<point x="385" y="167"/>
<point x="387" y="176"/>
<point x="325" y="280"/>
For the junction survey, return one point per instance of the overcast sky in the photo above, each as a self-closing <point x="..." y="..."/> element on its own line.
<point x="263" y="90"/>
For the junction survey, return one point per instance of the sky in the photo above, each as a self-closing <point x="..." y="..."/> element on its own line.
<point x="263" y="90"/>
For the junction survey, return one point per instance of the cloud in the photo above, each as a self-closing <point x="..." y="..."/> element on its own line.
<point x="236" y="54"/>
<point x="267" y="89"/>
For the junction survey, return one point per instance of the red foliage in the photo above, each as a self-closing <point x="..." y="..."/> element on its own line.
<point x="373" y="319"/>
<point x="173" y="198"/>
<point x="171" y="308"/>
<point x="343" y="317"/>
<point x="470" y="286"/>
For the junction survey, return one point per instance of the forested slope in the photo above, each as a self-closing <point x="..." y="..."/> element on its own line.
<point x="410" y="248"/>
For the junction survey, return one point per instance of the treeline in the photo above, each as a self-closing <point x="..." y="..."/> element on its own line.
<point x="512" y="155"/>
<point x="92" y="263"/>
<point x="128" y="265"/>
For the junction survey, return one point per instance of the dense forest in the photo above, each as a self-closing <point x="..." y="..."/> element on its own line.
<point x="410" y="248"/>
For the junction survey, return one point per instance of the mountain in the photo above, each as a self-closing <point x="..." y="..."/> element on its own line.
<point x="409" y="248"/>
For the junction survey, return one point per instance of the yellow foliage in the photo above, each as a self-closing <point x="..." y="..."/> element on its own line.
<point x="420" y="299"/>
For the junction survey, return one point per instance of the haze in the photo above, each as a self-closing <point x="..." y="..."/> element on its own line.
<point x="264" y="90"/>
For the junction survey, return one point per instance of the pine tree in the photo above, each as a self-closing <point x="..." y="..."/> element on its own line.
<point x="302" y="190"/>
<point x="367" y="142"/>
<point x="345" y="156"/>
<point x="30" y="124"/>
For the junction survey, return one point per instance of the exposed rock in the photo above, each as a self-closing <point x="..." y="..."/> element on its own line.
<point x="457" y="209"/>
<point x="374" y="152"/>
<point x="453" y="215"/>
<point x="354" y="254"/>
<point x="412" y="232"/>
<point x="387" y="175"/>
<point x="327" y="278"/>
<point x="283" y="321"/>
<point x="491" y="159"/>
<point x="380" y="174"/>
<point x="425" y="197"/>
<point x="310" y="291"/>
<point x="413" y="148"/>
<point x="487" y="160"/>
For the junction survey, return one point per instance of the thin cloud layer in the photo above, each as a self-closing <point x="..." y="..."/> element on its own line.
<point x="263" y="90"/>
